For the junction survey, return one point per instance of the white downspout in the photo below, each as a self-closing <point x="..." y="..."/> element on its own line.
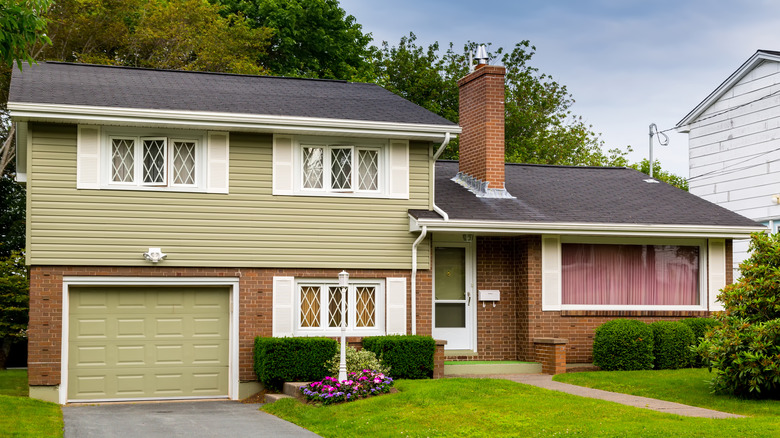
<point x="414" y="277"/>
<point x="433" y="183"/>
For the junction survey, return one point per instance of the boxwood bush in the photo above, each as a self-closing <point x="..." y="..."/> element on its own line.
<point x="699" y="327"/>
<point x="672" y="342"/>
<point x="409" y="356"/>
<point x="279" y="360"/>
<point x="623" y="344"/>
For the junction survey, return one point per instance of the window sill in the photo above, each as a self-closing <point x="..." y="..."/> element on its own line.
<point x="635" y="313"/>
<point x="331" y="333"/>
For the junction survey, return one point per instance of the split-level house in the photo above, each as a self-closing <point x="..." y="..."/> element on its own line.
<point x="734" y="144"/>
<point x="174" y="216"/>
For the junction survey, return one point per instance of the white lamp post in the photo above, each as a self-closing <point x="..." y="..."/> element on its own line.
<point x="343" y="284"/>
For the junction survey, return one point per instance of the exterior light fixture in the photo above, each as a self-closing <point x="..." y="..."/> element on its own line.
<point x="155" y="255"/>
<point x="468" y="238"/>
<point x="343" y="284"/>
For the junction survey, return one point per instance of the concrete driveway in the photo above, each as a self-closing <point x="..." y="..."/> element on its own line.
<point x="176" y="419"/>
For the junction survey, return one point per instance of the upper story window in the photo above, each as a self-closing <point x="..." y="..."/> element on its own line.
<point x="312" y="166"/>
<point x="155" y="161"/>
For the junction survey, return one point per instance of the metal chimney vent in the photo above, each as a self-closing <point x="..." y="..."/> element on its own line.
<point x="482" y="57"/>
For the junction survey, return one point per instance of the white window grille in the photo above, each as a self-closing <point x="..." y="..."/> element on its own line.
<point x="320" y="307"/>
<point x="183" y="162"/>
<point x="312" y="167"/>
<point x="122" y="160"/>
<point x="340" y="169"/>
<point x="154" y="161"/>
<point x="368" y="169"/>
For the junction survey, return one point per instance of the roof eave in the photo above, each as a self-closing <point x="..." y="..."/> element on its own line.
<point x="683" y="125"/>
<point x="583" y="229"/>
<point x="23" y="111"/>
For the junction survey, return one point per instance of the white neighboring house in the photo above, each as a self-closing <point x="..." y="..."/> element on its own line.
<point x="734" y="144"/>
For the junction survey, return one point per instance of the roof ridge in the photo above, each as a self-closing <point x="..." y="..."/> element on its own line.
<point x="215" y="73"/>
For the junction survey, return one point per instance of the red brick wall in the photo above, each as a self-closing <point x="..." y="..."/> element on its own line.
<point x="255" y="307"/>
<point x="482" y="120"/>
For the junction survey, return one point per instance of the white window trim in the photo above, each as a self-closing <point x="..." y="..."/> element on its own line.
<point x="703" y="288"/>
<point x="141" y="134"/>
<point x="379" y="306"/>
<point x="356" y="145"/>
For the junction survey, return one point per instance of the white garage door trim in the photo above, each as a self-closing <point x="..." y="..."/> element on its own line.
<point x="231" y="282"/>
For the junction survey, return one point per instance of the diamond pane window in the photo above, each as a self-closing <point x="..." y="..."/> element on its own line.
<point x="368" y="169"/>
<point x="341" y="168"/>
<point x="312" y="168"/>
<point x="310" y="306"/>
<point x="154" y="161"/>
<point x="334" y="307"/>
<point x="365" y="306"/>
<point x="122" y="160"/>
<point x="183" y="162"/>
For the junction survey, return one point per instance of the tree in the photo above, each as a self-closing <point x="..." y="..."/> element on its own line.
<point x="172" y="34"/>
<point x="21" y="26"/>
<point x="744" y="351"/>
<point x="311" y="38"/>
<point x="14" y="303"/>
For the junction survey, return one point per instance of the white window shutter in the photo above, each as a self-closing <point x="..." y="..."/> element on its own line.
<point x="284" y="306"/>
<point x="716" y="258"/>
<point x="88" y="157"/>
<point x="218" y="162"/>
<point x="399" y="170"/>
<point x="283" y="170"/>
<point x="396" y="306"/>
<point x="551" y="273"/>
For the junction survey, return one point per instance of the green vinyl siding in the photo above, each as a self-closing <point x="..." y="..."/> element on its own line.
<point x="249" y="227"/>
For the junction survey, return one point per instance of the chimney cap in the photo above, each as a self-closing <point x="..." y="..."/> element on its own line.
<point x="481" y="56"/>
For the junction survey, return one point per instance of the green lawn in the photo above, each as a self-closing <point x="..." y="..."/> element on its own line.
<point x="487" y="407"/>
<point x="24" y="417"/>
<point x="689" y="386"/>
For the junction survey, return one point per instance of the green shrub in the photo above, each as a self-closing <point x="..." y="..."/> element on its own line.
<point x="623" y="344"/>
<point x="409" y="357"/>
<point x="279" y="360"/>
<point x="699" y="327"/>
<point x="744" y="352"/>
<point x="672" y="342"/>
<point x="357" y="361"/>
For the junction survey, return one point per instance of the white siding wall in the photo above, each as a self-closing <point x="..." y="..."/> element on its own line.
<point x="735" y="156"/>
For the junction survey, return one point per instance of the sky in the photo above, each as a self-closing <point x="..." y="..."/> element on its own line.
<point x="627" y="63"/>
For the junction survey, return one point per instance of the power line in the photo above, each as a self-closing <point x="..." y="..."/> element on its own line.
<point x="724" y="171"/>
<point x="720" y="113"/>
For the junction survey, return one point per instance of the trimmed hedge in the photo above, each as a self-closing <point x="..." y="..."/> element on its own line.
<point x="699" y="327"/>
<point x="672" y="342"/>
<point x="623" y="344"/>
<point x="408" y="356"/>
<point x="279" y="360"/>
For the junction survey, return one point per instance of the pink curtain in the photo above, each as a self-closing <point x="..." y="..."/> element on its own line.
<point x="630" y="274"/>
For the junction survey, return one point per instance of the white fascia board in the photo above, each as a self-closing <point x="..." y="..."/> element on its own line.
<point x="683" y="125"/>
<point x="227" y="121"/>
<point x="581" y="229"/>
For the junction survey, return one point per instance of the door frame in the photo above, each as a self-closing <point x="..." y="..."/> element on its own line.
<point x="467" y="241"/>
<point x="231" y="282"/>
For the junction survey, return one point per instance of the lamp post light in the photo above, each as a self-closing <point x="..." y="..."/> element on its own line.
<point x="343" y="284"/>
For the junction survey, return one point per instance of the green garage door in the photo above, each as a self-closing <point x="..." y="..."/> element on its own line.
<point x="148" y="342"/>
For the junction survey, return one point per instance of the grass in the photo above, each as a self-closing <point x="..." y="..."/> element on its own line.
<point x="487" y="407"/>
<point x="21" y="416"/>
<point x="689" y="386"/>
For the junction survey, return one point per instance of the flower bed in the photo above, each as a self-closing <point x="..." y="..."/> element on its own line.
<point x="358" y="385"/>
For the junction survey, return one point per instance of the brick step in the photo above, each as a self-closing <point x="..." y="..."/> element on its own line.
<point x="466" y="368"/>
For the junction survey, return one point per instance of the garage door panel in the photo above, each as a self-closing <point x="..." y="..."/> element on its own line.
<point x="135" y="347"/>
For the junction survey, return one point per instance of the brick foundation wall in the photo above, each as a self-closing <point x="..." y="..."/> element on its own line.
<point x="551" y="353"/>
<point x="255" y="306"/>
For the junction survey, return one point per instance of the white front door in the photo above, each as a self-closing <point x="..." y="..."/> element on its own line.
<point x="454" y="295"/>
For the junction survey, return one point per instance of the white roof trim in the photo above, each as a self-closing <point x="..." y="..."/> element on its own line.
<point x="220" y="121"/>
<point x="744" y="69"/>
<point x="582" y="229"/>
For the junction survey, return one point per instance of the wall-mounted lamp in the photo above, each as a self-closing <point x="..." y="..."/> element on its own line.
<point x="776" y="199"/>
<point x="154" y="255"/>
<point x="468" y="238"/>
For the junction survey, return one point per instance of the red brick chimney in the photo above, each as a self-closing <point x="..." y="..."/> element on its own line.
<point x="481" y="167"/>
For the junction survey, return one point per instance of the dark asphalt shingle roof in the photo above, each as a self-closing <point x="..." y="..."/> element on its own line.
<point x="550" y="194"/>
<point x="106" y="86"/>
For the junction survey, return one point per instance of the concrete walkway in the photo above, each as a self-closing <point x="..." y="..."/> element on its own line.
<point x="546" y="382"/>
